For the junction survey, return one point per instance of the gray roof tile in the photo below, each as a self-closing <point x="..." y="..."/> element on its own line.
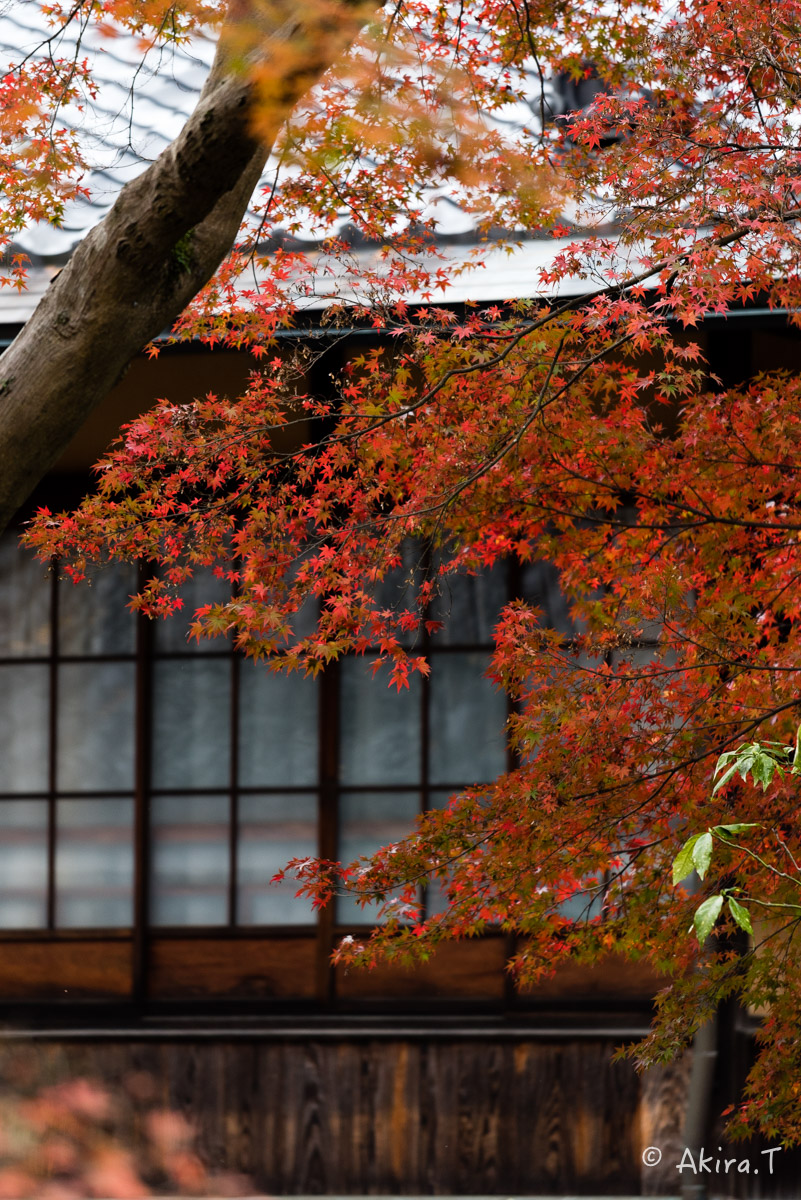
<point x="142" y="104"/>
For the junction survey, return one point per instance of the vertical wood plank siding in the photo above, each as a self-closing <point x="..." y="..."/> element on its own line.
<point x="416" y="1116"/>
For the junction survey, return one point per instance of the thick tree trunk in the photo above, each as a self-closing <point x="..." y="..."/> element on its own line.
<point x="125" y="283"/>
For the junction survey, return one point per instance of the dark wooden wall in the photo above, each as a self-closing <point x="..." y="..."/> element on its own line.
<point x="445" y="1115"/>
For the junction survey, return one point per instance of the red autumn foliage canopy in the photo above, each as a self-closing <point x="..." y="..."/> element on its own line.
<point x="585" y="430"/>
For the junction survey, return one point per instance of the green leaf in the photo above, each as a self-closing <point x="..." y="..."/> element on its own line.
<point x="683" y="862"/>
<point x="724" y="779"/>
<point x="740" y="915"/>
<point x="702" y="853"/>
<point x="796" y="768"/>
<point x="738" y="827"/>
<point x="746" y="760"/>
<point x="724" y="760"/>
<point x="760" y="761"/>
<point x="763" y="768"/>
<point x="705" y="917"/>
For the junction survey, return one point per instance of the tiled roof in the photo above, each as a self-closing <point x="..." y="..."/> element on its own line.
<point x="141" y="106"/>
<point x="139" y="109"/>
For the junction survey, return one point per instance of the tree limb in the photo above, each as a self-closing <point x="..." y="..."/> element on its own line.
<point x="125" y="283"/>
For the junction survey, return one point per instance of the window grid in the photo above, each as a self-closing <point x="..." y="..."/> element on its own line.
<point x="426" y="787"/>
<point x="52" y="735"/>
<point x="144" y="659"/>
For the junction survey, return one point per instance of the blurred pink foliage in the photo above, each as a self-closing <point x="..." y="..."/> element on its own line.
<point x="78" y="1138"/>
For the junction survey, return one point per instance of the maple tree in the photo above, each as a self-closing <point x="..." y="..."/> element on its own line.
<point x="582" y="428"/>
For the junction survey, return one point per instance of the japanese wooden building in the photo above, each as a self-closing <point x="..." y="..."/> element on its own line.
<point x="151" y="786"/>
